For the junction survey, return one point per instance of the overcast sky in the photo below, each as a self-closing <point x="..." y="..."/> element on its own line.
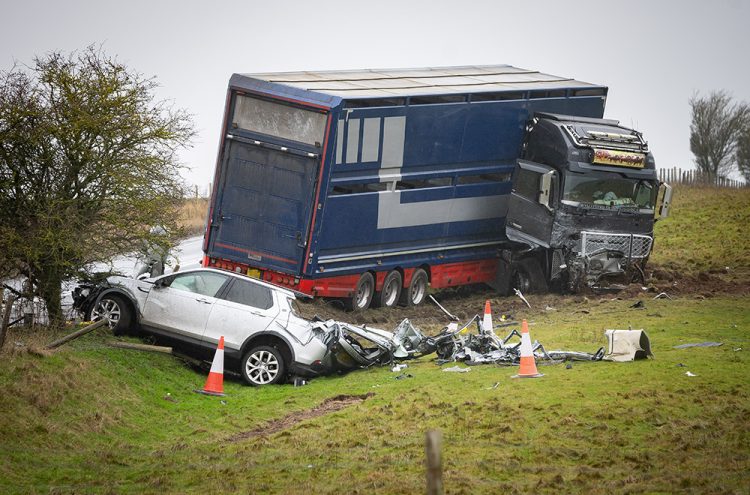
<point x="652" y="55"/>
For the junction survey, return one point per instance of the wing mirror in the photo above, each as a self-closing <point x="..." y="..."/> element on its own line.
<point x="666" y="200"/>
<point x="545" y="189"/>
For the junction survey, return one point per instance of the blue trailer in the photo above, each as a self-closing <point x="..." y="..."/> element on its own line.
<point x="370" y="185"/>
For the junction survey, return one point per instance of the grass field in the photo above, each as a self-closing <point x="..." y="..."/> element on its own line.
<point x="90" y="418"/>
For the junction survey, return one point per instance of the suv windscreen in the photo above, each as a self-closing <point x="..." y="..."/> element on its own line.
<point x="609" y="192"/>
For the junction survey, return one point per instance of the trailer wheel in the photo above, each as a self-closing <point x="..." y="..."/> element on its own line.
<point x="415" y="294"/>
<point x="389" y="295"/>
<point x="363" y="293"/>
<point x="528" y="276"/>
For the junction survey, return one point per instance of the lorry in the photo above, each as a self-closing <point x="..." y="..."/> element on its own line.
<point x="371" y="186"/>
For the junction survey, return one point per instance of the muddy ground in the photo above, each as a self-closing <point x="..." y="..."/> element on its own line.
<point x="467" y="301"/>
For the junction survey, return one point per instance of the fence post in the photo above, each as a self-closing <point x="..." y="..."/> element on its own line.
<point x="432" y="447"/>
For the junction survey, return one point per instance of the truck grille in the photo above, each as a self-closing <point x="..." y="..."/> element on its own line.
<point x="631" y="245"/>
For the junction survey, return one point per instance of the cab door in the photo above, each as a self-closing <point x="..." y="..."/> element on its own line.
<point x="530" y="207"/>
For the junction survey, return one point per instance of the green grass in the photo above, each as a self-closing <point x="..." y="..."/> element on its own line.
<point x="93" y="419"/>
<point x="708" y="230"/>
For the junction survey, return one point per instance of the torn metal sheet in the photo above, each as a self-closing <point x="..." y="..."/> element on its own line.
<point x="627" y="345"/>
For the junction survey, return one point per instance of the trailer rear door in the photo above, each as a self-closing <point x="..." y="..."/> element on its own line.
<point x="264" y="205"/>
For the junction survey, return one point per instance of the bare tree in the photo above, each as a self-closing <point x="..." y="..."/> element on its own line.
<point x="87" y="164"/>
<point x="743" y="153"/>
<point x="714" y="132"/>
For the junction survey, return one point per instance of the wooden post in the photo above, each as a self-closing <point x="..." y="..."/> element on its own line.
<point x="141" y="347"/>
<point x="6" y="318"/>
<point x="433" y="447"/>
<point x="78" y="333"/>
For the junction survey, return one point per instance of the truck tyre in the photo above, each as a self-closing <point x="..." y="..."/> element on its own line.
<point x="528" y="276"/>
<point x="363" y="293"/>
<point x="263" y="365"/>
<point x="415" y="294"/>
<point x="117" y="310"/>
<point x="389" y="295"/>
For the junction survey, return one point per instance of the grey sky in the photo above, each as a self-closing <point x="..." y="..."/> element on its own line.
<point x="652" y="55"/>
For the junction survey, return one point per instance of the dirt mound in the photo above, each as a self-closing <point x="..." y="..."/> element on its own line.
<point x="326" y="407"/>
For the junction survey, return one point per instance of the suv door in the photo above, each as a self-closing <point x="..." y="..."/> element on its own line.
<point x="180" y="304"/>
<point x="530" y="214"/>
<point x="245" y="308"/>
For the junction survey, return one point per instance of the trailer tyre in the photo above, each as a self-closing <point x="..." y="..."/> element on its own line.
<point x="363" y="293"/>
<point x="528" y="276"/>
<point x="389" y="295"/>
<point x="415" y="294"/>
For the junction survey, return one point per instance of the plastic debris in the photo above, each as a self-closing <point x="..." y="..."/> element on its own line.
<point x="402" y="376"/>
<point x="399" y="367"/>
<point x="457" y="369"/>
<point x="690" y="374"/>
<point x="699" y="344"/>
<point x="662" y="295"/>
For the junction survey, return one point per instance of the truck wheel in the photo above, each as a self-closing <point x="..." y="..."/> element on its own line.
<point x="415" y="294"/>
<point x="528" y="276"/>
<point x="389" y="295"/>
<point x="117" y="310"/>
<point x="363" y="293"/>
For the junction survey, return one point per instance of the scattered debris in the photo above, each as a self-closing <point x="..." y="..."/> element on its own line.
<point x="690" y="374"/>
<point x="299" y="381"/>
<point x="627" y="345"/>
<point x="170" y="398"/>
<point x="447" y="313"/>
<point x="638" y="305"/>
<point x="518" y="293"/>
<point x="569" y="366"/>
<point x="550" y="308"/>
<point x="399" y="367"/>
<point x="497" y="384"/>
<point x="737" y="349"/>
<point x="699" y="344"/>
<point x="663" y="295"/>
<point x="457" y="369"/>
<point x="403" y="376"/>
<point x="680" y="365"/>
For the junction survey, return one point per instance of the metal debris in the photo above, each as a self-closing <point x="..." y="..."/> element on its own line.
<point x="518" y="293"/>
<point x="457" y="369"/>
<point x="447" y="313"/>
<point x="698" y="344"/>
<point x="662" y="295"/>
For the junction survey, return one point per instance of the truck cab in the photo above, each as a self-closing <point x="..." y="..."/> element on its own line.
<point x="583" y="205"/>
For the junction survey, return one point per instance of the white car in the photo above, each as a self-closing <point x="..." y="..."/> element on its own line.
<point x="265" y="339"/>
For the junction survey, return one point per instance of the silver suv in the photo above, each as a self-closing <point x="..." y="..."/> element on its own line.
<point x="264" y="337"/>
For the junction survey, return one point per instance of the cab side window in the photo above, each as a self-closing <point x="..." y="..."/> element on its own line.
<point x="526" y="184"/>
<point x="250" y="294"/>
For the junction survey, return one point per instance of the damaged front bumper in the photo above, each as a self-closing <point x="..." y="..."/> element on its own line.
<point x="601" y="258"/>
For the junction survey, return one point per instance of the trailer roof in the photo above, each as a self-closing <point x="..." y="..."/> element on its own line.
<point x="371" y="83"/>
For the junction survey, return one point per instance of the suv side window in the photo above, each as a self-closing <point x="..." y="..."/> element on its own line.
<point x="250" y="294"/>
<point x="206" y="284"/>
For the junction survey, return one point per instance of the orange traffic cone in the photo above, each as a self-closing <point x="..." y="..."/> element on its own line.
<point x="487" y="321"/>
<point x="527" y="369"/>
<point x="215" y="381"/>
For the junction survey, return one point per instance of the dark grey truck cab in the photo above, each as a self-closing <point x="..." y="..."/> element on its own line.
<point x="583" y="206"/>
